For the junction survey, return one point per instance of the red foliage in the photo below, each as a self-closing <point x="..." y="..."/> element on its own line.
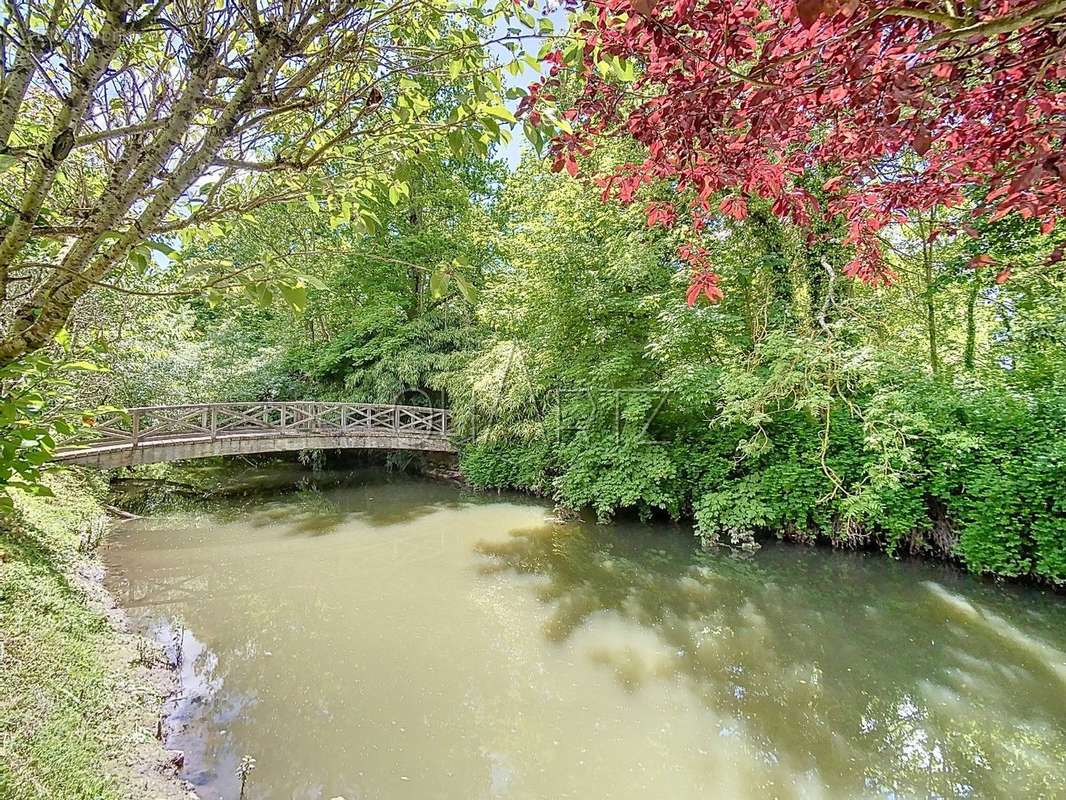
<point x="661" y="213"/>
<point x="735" y="207"/>
<point x="869" y="265"/>
<point x="913" y="107"/>
<point x="704" y="280"/>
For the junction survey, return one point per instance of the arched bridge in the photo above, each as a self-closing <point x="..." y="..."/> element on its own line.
<point x="171" y="433"/>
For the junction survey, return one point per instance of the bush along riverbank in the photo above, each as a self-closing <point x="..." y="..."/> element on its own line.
<point x="80" y="698"/>
<point x="974" y="477"/>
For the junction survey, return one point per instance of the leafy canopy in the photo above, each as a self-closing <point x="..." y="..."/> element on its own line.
<point x="914" y="106"/>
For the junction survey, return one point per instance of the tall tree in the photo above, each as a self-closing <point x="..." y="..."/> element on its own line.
<point x="121" y="121"/>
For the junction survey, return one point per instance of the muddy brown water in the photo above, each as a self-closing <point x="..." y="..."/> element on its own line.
<point x="396" y="638"/>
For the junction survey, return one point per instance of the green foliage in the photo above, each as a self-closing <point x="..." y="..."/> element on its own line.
<point x="386" y="357"/>
<point x="801" y="406"/>
<point x="509" y="466"/>
<point x="37" y="411"/>
<point x="1008" y="488"/>
<point x="608" y="472"/>
<point x="365" y="321"/>
<point x="924" y="417"/>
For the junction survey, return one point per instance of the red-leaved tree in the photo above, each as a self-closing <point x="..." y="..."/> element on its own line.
<point x="912" y="104"/>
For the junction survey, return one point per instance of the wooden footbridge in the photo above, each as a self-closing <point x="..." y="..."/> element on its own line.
<point x="172" y="433"/>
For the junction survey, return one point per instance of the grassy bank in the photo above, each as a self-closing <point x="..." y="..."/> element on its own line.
<point x="75" y="713"/>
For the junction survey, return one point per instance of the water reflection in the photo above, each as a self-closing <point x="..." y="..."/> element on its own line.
<point x="408" y="640"/>
<point x="845" y="665"/>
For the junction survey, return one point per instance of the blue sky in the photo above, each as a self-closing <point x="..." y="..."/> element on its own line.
<point x="512" y="152"/>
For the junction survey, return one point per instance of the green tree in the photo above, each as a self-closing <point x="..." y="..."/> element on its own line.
<point x="122" y="128"/>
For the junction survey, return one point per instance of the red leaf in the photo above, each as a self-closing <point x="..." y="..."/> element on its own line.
<point x="943" y="70"/>
<point x="922" y="141"/>
<point x="660" y="213"/>
<point x="1003" y="276"/>
<point x="833" y="183"/>
<point x="740" y="99"/>
<point x="693" y="294"/>
<point x="981" y="261"/>
<point x="712" y="293"/>
<point x="734" y="206"/>
<point x="808" y="11"/>
<point x="571" y="167"/>
<point x="1048" y="225"/>
<point x="837" y="93"/>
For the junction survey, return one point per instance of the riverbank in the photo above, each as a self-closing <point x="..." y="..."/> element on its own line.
<point x="80" y="697"/>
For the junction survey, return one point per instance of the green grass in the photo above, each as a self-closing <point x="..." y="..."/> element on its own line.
<point x="58" y="697"/>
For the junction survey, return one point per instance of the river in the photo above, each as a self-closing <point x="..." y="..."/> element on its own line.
<point x="394" y="638"/>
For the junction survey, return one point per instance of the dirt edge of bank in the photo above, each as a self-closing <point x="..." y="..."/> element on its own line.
<point x="141" y="763"/>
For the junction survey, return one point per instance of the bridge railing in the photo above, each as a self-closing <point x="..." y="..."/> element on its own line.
<point x="217" y="420"/>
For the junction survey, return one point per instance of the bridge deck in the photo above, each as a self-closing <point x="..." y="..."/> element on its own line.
<point x="171" y="433"/>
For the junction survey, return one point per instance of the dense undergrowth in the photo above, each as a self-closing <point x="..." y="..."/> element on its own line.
<point x="979" y="477"/>
<point x="800" y="406"/>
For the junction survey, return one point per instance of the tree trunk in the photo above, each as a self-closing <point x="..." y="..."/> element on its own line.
<point x="930" y="307"/>
<point x="45" y="314"/>
<point x="969" y="354"/>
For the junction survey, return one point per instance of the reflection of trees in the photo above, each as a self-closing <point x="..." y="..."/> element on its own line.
<point x="265" y="496"/>
<point x="871" y="674"/>
<point x="284" y="662"/>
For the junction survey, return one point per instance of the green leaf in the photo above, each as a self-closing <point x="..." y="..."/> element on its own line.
<point x="623" y="70"/>
<point x="370" y="220"/>
<point x="455" y="142"/>
<point x="161" y="247"/>
<point x="466" y="289"/>
<point x="295" y="296"/>
<point x="500" y="112"/>
<point x="83" y="366"/>
<point x="7" y="162"/>
<point x="139" y="259"/>
<point x="312" y="281"/>
<point x="438" y="284"/>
